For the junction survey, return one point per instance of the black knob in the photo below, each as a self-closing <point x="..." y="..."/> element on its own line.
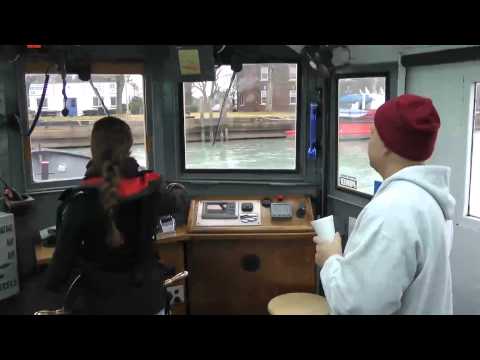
<point x="250" y="263"/>
<point x="301" y="211"/>
<point x="247" y="207"/>
<point x="65" y="112"/>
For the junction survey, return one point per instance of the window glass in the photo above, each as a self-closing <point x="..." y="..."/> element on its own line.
<point x="264" y="73"/>
<point x="263" y="97"/>
<point x="60" y="145"/>
<point x="293" y="97"/>
<point x="358" y="100"/>
<point x="258" y="131"/>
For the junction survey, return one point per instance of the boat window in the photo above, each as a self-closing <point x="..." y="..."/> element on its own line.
<point x="258" y="130"/>
<point x="60" y="145"/>
<point x="474" y="203"/>
<point x="358" y="99"/>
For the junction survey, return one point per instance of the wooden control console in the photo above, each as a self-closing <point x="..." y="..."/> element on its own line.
<point x="239" y="269"/>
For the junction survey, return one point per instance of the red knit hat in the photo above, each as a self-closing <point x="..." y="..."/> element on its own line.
<point x="408" y="126"/>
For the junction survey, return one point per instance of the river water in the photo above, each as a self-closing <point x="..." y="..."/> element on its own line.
<point x="138" y="152"/>
<point x="263" y="154"/>
<point x="257" y="154"/>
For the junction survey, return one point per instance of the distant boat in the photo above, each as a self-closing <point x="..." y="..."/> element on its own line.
<point x="356" y="122"/>
<point x="290" y="133"/>
<point x="49" y="165"/>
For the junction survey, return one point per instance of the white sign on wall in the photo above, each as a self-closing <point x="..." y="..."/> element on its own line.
<point x="8" y="257"/>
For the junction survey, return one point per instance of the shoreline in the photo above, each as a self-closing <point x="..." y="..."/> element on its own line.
<point x="64" y="134"/>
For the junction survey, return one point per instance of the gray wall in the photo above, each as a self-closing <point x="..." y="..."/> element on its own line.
<point x="11" y="168"/>
<point x="450" y="86"/>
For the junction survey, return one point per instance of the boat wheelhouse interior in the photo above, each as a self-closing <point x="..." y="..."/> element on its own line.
<point x="262" y="139"/>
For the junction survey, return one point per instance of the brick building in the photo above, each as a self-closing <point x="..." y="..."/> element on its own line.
<point x="267" y="87"/>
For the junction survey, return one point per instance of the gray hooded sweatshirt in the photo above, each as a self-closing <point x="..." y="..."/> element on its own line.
<point x="397" y="257"/>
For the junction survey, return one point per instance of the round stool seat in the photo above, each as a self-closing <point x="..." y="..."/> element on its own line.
<point x="298" y="304"/>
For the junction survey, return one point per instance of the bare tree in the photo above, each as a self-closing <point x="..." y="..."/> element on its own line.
<point x="209" y="91"/>
<point x="133" y="85"/>
<point x="120" y="80"/>
<point x="234" y="95"/>
<point x="187" y="95"/>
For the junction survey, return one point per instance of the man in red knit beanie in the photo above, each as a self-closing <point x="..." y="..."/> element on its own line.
<point x="396" y="260"/>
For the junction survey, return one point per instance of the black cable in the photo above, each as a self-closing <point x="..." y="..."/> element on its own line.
<point x="20" y="125"/>
<point x="64" y="81"/>
<point x="40" y="105"/>
<point x="15" y="194"/>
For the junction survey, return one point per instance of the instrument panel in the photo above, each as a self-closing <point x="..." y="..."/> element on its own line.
<point x="222" y="213"/>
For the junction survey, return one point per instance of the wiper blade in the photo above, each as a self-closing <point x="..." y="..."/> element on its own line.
<point x="99" y="97"/>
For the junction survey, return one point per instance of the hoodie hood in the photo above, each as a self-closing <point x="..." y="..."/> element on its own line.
<point x="433" y="179"/>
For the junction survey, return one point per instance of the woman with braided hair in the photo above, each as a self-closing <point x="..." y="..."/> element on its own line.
<point x="105" y="229"/>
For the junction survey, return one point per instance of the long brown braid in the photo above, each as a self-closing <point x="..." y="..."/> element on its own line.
<point x="111" y="142"/>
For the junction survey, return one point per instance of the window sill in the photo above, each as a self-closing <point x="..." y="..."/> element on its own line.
<point x="54" y="187"/>
<point x="469" y="222"/>
<point x="47" y="191"/>
<point x="243" y="182"/>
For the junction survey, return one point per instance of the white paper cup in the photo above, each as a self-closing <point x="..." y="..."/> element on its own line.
<point x="325" y="228"/>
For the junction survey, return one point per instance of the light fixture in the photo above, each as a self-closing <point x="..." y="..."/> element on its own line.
<point x="319" y="58"/>
<point x="341" y="56"/>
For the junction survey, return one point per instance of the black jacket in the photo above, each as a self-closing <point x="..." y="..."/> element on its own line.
<point x="124" y="280"/>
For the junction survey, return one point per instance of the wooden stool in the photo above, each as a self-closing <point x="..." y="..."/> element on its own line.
<point x="298" y="304"/>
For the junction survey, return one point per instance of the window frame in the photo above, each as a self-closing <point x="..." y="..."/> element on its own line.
<point x="298" y="166"/>
<point x="476" y="85"/>
<point x="350" y="75"/>
<point x="28" y="66"/>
